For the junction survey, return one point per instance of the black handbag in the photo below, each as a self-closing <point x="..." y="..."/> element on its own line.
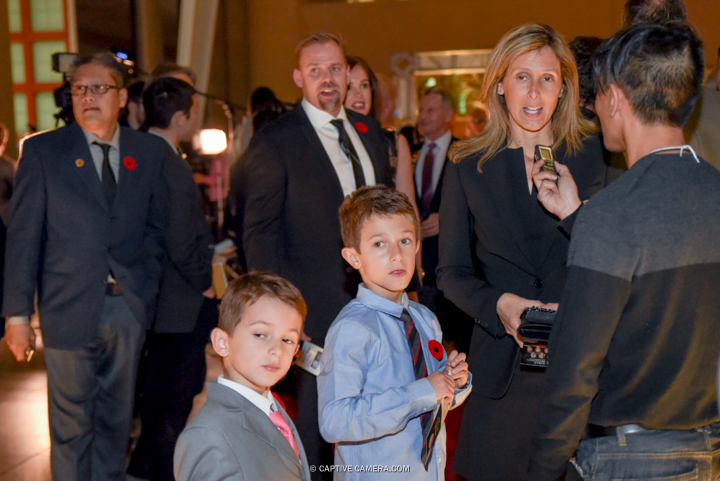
<point x="535" y="327"/>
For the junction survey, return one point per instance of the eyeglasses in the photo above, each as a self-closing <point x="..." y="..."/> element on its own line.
<point x="96" y="89"/>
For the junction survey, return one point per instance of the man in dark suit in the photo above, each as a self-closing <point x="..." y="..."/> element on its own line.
<point x="85" y="233"/>
<point x="186" y="310"/>
<point x="296" y="173"/>
<point x="434" y="115"/>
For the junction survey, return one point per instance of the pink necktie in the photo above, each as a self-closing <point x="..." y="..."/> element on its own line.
<point x="279" y="420"/>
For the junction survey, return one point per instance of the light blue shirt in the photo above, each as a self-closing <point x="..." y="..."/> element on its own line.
<point x="369" y="401"/>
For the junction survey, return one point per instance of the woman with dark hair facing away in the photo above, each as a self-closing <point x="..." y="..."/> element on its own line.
<point x="363" y="96"/>
<point x="500" y="251"/>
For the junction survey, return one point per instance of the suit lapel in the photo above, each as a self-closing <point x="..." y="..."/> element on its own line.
<point x="511" y="184"/>
<point x="317" y="150"/>
<point x="128" y="176"/>
<point x="373" y="148"/>
<point x="261" y="426"/>
<point x="253" y="419"/>
<point x="84" y="166"/>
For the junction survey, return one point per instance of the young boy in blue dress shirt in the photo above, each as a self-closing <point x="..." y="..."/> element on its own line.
<point x="385" y="375"/>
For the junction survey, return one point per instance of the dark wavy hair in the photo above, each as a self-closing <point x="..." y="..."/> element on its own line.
<point x="374" y="85"/>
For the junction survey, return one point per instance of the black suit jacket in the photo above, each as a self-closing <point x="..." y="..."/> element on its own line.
<point x="187" y="265"/>
<point x="291" y="196"/>
<point x="430" y="245"/>
<point x="483" y="252"/>
<point x="63" y="237"/>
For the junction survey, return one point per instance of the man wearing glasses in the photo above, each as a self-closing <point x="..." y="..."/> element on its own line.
<point x="86" y="234"/>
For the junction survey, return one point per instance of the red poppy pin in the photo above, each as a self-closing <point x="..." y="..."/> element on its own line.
<point x="129" y="163"/>
<point x="361" y="127"/>
<point x="436" y="349"/>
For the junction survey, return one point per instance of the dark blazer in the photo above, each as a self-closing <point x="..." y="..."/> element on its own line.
<point x="291" y="198"/>
<point x="430" y="245"/>
<point x="232" y="439"/>
<point x="187" y="265"/>
<point x="483" y="252"/>
<point x="63" y="237"/>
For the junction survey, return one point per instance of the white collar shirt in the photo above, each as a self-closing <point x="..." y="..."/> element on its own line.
<point x="329" y="136"/>
<point x="442" y="144"/>
<point x="265" y="403"/>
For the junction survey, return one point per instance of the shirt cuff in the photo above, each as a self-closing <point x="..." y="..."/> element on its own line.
<point x="17" y="320"/>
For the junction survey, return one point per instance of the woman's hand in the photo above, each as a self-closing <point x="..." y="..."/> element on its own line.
<point x="561" y="199"/>
<point x="509" y="308"/>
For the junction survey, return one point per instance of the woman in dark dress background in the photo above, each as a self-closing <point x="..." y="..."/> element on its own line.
<point x="500" y="251"/>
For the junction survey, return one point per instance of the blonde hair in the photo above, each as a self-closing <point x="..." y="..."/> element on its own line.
<point x="568" y="124"/>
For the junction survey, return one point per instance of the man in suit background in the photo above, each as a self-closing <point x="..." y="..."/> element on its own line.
<point x="186" y="309"/>
<point x="85" y="232"/>
<point x="296" y="172"/>
<point x="435" y="113"/>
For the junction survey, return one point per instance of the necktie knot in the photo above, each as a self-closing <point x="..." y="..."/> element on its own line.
<point x="338" y="124"/>
<point x="105" y="147"/>
<point x="432" y="146"/>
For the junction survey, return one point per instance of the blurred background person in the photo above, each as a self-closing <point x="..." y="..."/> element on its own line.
<point x="263" y="107"/>
<point x="7" y="174"/>
<point x="500" y="251"/>
<point x="186" y="310"/>
<point x="479" y="118"/>
<point x="435" y="114"/>
<point x="134" y="111"/>
<point x="363" y="96"/>
<point x="583" y="49"/>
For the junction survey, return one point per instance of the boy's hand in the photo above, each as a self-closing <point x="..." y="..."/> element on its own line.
<point x="443" y="385"/>
<point x="457" y="368"/>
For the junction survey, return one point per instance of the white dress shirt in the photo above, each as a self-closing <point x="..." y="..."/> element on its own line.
<point x="264" y="403"/>
<point x="329" y="136"/>
<point x="442" y="144"/>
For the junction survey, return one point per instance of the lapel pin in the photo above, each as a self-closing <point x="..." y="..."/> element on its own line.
<point x="79" y="162"/>
<point x="129" y="163"/>
<point x="361" y="127"/>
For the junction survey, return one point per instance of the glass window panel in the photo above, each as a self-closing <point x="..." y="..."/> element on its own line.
<point x="21" y="113"/>
<point x="47" y="15"/>
<point x="14" y="16"/>
<point x="42" y="60"/>
<point x="17" y="58"/>
<point x="46" y="109"/>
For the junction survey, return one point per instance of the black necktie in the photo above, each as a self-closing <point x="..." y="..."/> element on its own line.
<point x="108" y="178"/>
<point x="349" y="150"/>
<point x="418" y="359"/>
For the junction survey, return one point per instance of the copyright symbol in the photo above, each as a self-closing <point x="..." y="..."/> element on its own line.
<point x="312" y="469"/>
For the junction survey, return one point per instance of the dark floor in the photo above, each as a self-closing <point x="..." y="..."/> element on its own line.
<point x="24" y="436"/>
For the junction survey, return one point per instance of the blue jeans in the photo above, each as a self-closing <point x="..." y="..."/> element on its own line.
<point x="653" y="455"/>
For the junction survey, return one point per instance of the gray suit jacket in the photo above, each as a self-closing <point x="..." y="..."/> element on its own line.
<point x="231" y="439"/>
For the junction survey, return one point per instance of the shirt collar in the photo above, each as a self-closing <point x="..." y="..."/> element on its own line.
<point x="264" y="403"/>
<point x="114" y="142"/>
<point x="379" y="303"/>
<point x="320" y="118"/>
<point x="441" y="143"/>
<point x="153" y="132"/>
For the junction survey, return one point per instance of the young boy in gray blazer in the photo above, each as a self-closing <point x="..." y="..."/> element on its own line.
<point x="242" y="432"/>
